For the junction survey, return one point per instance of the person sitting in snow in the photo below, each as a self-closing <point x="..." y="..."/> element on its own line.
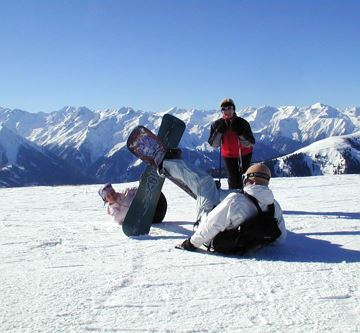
<point x="119" y="203"/>
<point x="226" y="215"/>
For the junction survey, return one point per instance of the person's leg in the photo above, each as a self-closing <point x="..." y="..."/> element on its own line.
<point x="200" y="183"/>
<point x="246" y="160"/>
<point x="234" y="175"/>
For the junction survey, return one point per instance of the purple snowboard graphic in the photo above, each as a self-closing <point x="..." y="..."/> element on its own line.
<point x="146" y="145"/>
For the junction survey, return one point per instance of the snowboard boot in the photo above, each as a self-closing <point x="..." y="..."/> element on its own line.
<point x="173" y="153"/>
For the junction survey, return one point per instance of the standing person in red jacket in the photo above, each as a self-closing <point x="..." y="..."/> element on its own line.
<point x="234" y="137"/>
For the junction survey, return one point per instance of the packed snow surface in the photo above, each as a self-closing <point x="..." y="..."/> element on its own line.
<point x="66" y="267"/>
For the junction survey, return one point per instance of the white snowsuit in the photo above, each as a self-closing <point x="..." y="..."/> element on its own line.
<point x="233" y="211"/>
<point x="119" y="209"/>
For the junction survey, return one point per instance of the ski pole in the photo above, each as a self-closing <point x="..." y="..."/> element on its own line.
<point x="240" y="158"/>
<point x="220" y="165"/>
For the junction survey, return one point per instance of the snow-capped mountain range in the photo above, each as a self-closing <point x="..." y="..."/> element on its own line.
<point x="334" y="155"/>
<point x="79" y="145"/>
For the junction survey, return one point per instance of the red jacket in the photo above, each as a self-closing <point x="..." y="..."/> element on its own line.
<point x="231" y="147"/>
<point x="227" y="134"/>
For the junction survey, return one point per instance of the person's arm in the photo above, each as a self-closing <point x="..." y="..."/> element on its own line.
<point x="214" y="222"/>
<point x="242" y="128"/>
<point x="247" y="133"/>
<point x="217" y="129"/>
<point x="220" y="219"/>
<point x="232" y="211"/>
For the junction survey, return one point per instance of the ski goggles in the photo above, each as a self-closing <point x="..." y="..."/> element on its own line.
<point x="247" y="176"/>
<point x="105" y="190"/>
<point x="228" y="107"/>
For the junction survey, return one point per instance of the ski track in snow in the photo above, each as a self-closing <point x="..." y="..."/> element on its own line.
<point x="66" y="267"/>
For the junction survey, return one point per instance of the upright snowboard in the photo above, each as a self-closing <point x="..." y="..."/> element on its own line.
<point x="142" y="209"/>
<point x="145" y="145"/>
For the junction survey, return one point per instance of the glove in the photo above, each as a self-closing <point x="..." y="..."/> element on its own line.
<point x="186" y="245"/>
<point x="221" y="126"/>
<point x="244" y="142"/>
<point x="243" y="130"/>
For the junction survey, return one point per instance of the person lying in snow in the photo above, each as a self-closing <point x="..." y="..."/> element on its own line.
<point x="229" y="221"/>
<point x="119" y="203"/>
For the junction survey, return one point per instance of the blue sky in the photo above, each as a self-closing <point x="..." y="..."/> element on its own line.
<point x="156" y="54"/>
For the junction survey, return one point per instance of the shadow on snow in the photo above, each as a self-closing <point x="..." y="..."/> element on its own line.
<point x="298" y="247"/>
<point x="344" y="215"/>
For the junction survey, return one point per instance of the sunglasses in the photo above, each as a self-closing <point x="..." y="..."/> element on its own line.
<point x="247" y="176"/>
<point x="225" y="108"/>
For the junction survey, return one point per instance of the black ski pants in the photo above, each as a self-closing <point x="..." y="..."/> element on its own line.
<point x="235" y="171"/>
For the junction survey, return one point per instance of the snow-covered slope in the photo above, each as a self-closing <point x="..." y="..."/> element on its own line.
<point x="334" y="155"/>
<point x="66" y="267"/>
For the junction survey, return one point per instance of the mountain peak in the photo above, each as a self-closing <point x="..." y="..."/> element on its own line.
<point x="319" y="106"/>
